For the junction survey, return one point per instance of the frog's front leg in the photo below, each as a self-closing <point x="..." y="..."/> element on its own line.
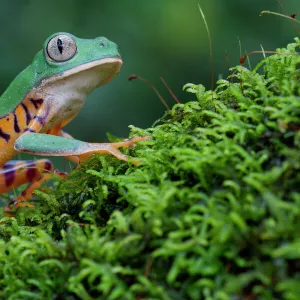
<point x="50" y="145"/>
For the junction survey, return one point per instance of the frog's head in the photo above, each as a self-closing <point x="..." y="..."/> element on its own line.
<point x="64" y="55"/>
<point x="63" y="73"/>
<point x="68" y="68"/>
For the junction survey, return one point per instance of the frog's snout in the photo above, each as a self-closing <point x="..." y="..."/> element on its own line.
<point x="105" y="45"/>
<point x="104" y="42"/>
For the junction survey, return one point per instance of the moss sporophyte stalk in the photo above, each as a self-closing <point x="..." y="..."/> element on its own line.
<point x="211" y="212"/>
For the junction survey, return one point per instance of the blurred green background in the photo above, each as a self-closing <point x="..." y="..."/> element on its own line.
<point x="157" y="38"/>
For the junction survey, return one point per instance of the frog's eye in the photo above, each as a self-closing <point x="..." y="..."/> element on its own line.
<point x="61" y="48"/>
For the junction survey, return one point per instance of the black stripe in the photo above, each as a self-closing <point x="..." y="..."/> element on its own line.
<point x="4" y="135"/>
<point x="37" y="102"/>
<point x="16" y="124"/>
<point x="27" y="113"/>
<point x="48" y="165"/>
<point x="31" y="173"/>
<point x="9" y="174"/>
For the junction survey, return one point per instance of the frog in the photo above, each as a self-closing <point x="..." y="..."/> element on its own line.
<point x="42" y="100"/>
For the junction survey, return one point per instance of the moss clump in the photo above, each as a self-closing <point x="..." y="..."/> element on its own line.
<point x="212" y="212"/>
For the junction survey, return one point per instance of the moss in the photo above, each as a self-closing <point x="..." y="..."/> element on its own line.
<point x="212" y="211"/>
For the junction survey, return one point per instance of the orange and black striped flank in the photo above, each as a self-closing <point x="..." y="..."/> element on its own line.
<point x="15" y="123"/>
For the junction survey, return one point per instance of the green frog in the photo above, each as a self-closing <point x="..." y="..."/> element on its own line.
<point x="45" y="97"/>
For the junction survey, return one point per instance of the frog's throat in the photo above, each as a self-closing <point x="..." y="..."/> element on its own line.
<point x="64" y="95"/>
<point x="115" y="64"/>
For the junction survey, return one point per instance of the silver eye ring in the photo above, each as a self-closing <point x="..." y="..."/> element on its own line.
<point x="61" y="47"/>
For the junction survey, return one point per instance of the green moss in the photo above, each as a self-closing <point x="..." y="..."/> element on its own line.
<point x="213" y="210"/>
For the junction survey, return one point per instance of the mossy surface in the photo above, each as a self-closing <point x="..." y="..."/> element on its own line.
<point x="211" y="212"/>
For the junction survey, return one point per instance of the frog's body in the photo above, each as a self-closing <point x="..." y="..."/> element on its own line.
<point x="44" y="98"/>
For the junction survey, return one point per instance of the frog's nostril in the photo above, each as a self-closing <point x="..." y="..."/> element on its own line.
<point x="102" y="45"/>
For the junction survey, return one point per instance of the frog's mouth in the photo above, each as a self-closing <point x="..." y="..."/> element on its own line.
<point x="103" y="70"/>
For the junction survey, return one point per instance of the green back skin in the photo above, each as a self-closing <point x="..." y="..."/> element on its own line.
<point x="88" y="50"/>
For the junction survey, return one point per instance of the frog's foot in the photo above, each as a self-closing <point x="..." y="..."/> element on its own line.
<point x="16" y="173"/>
<point x="113" y="148"/>
<point x="45" y="144"/>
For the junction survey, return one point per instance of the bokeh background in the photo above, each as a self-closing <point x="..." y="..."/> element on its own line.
<point x="157" y="38"/>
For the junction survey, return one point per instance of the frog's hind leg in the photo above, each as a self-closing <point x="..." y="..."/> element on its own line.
<point x="15" y="173"/>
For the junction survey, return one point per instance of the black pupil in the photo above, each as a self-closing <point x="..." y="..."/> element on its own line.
<point x="60" y="45"/>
